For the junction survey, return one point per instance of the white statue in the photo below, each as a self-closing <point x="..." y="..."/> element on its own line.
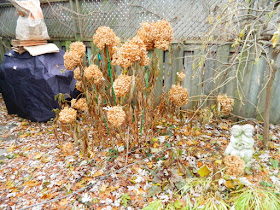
<point x="241" y="143"/>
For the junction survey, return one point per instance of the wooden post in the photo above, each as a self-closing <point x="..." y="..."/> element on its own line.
<point x="67" y="45"/>
<point x="79" y="33"/>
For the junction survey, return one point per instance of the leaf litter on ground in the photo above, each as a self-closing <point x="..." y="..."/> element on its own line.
<point x="178" y="166"/>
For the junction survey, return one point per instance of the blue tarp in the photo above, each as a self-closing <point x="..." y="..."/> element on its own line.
<point x="29" y="84"/>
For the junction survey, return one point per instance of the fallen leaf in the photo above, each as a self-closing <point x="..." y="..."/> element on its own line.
<point x="38" y="155"/>
<point x="11" y="148"/>
<point x="203" y="171"/>
<point x="98" y="173"/>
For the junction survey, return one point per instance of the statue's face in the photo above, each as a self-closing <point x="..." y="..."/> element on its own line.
<point x="236" y="130"/>
<point x="242" y="137"/>
<point x="248" y="130"/>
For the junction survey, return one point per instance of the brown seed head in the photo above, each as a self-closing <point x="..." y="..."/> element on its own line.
<point x="122" y="85"/>
<point x="178" y="95"/>
<point x="226" y="104"/>
<point x="116" y="116"/>
<point x="93" y="72"/>
<point x="78" y="48"/>
<point x="235" y="165"/>
<point x="67" y="115"/>
<point x="71" y="60"/>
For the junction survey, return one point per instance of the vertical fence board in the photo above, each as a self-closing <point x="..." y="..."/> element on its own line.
<point x="222" y="59"/>
<point x="7" y="45"/>
<point x="95" y="51"/>
<point x="254" y="84"/>
<point x="196" y="88"/>
<point x="67" y="45"/>
<point x="209" y="73"/>
<point x="275" y="96"/>
<point x="159" y="82"/>
<point x="58" y="44"/>
<point x="167" y="72"/>
<point x="2" y="51"/>
<point x="177" y="61"/>
<point x="187" y="82"/>
<point x="230" y="85"/>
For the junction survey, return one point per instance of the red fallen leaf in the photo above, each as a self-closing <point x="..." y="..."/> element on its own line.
<point x="199" y="164"/>
<point x="47" y="196"/>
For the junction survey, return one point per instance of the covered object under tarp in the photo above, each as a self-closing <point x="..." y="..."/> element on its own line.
<point x="29" y="84"/>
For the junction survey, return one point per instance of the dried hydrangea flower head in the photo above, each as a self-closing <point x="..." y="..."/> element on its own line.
<point x="79" y="86"/>
<point x="156" y="34"/>
<point x="116" y="116"/>
<point x="77" y="73"/>
<point x="181" y="76"/>
<point x="67" y="115"/>
<point x="226" y="104"/>
<point x="71" y="60"/>
<point x="104" y="36"/>
<point x="68" y="148"/>
<point x="81" y="104"/>
<point x="178" y="95"/>
<point x="78" y="48"/>
<point x="93" y="72"/>
<point x="122" y="85"/>
<point x="131" y="51"/>
<point x="235" y="165"/>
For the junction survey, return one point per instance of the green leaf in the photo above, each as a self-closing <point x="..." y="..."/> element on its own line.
<point x="124" y="199"/>
<point x="178" y="204"/>
<point x="155" y="205"/>
<point x="203" y="171"/>
<point x="266" y="184"/>
<point x="168" y="145"/>
<point x="274" y="163"/>
<point x="153" y="190"/>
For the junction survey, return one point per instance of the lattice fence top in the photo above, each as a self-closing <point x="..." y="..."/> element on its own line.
<point x="189" y="18"/>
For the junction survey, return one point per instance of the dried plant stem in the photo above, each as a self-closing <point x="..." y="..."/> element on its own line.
<point x="143" y="114"/>
<point x="110" y="74"/>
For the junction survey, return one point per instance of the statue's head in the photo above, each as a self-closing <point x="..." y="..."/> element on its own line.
<point x="242" y="137"/>
<point x="236" y="130"/>
<point x="248" y="130"/>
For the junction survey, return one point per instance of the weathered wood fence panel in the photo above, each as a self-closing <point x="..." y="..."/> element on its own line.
<point x="188" y="21"/>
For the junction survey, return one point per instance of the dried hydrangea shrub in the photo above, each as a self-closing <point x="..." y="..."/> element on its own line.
<point x="178" y="95"/>
<point x="77" y="73"/>
<point x="93" y="72"/>
<point x="116" y="116"/>
<point x="79" y="86"/>
<point x="226" y="104"/>
<point x="78" y="48"/>
<point x="181" y="76"/>
<point x="131" y="51"/>
<point x="81" y="104"/>
<point x="104" y="36"/>
<point x="122" y="85"/>
<point x="156" y="34"/>
<point x="71" y="60"/>
<point x="67" y="115"/>
<point x="235" y="165"/>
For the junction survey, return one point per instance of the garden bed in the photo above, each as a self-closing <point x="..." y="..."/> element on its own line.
<point x="37" y="168"/>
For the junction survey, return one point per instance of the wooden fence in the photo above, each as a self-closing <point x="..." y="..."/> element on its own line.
<point x="249" y="98"/>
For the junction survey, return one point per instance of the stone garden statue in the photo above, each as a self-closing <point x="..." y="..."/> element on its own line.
<point x="241" y="143"/>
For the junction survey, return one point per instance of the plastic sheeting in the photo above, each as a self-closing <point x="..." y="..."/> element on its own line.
<point x="29" y="84"/>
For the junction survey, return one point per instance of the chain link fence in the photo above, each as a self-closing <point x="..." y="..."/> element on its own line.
<point x="69" y="18"/>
